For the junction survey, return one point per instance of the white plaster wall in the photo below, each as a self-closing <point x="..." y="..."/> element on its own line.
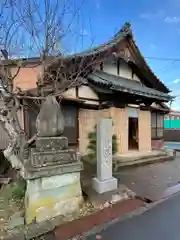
<point x="125" y="70"/>
<point x="135" y="77"/>
<point x="83" y="92"/>
<point x="110" y="68"/>
<point x="70" y="93"/>
<point x="87" y="92"/>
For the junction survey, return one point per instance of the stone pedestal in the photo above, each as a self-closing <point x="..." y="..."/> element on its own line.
<point x="104" y="181"/>
<point x="53" y="180"/>
<point x="49" y="197"/>
<point x="104" y="186"/>
<point x="52" y="170"/>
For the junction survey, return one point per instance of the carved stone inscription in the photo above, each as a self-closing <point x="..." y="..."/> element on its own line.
<point x="40" y="159"/>
<point x="104" y="149"/>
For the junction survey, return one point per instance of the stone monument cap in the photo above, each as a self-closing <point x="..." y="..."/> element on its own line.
<point x="50" y="121"/>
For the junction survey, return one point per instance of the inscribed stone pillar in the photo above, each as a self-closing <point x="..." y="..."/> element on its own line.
<point x="104" y="181"/>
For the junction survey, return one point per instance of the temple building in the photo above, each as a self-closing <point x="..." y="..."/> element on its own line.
<point x="116" y="83"/>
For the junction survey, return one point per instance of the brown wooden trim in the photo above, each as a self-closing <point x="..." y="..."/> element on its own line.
<point x="101" y="66"/>
<point x="89" y="106"/>
<point x="158" y="138"/>
<point x="153" y="109"/>
<point x="73" y="101"/>
<point x="118" y="66"/>
<point x="89" y="99"/>
<point x="77" y="91"/>
<point x="26" y="118"/>
<point x="77" y="126"/>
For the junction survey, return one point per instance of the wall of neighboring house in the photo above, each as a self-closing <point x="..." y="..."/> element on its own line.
<point x="89" y="118"/>
<point x="27" y="77"/>
<point x="172" y="120"/>
<point x="172" y="127"/>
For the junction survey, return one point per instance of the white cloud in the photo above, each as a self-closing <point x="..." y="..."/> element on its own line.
<point x="175" y="88"/>
<point x="98" y="4"/>
<point x="152" y="46"/>
<point x="176" y="81"/>
<point x="145" y="15"/>
<point x="175" y="105"/>
<point x="152" y="15"/>
<point x="169" y="19"/>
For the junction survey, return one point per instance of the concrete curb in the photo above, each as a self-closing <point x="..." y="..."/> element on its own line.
<point x="123" y="217"/>
<point x="129" y="215"/>
<point x="86" y="224"/>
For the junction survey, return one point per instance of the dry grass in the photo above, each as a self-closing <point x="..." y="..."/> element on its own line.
<point x="8" y="205"/>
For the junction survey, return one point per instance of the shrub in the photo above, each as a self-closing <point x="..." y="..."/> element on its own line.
<point x="18" y="189"/>
<point x="92" y="136"/>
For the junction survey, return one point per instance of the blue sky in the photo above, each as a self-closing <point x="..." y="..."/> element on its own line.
<point x="156" y="29"/>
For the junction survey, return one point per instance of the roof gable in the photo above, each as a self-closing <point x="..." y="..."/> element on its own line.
<point x="140" y="65"/>
<point x="122" y="45"/>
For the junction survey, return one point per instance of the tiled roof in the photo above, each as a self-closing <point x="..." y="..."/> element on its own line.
<point x="118" y="83"/>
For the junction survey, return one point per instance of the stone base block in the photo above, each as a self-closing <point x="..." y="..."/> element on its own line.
<point x="51" y="158"/>
<point x="56" y="143"/>
<point x="31" y="173"/>
<point x="52" y="196"/>
<point x="104" y="186"/>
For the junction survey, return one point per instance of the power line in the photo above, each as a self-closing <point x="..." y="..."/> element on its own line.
<point x="164" y="59"/>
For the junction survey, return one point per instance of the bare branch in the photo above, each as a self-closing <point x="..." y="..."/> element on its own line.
<point x="38" y="28"/>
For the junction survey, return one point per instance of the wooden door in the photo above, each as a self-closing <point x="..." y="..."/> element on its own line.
<point x="71" y="123"/>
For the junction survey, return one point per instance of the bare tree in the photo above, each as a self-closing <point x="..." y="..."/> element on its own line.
<point x="37" y="28"/>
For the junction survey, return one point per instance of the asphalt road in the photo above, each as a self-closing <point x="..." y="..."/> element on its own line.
<point x="160" y="222"/>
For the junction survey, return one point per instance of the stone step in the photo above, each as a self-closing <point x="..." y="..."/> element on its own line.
<point x="125" y="158"/>
<point x="142" y="161"/>
<point x="90" y="165"/>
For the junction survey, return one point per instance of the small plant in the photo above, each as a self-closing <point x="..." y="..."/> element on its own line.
<point x="18" y="189"/>
<point x="92" y="143"/>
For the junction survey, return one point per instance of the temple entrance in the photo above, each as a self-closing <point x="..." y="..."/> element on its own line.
<point x="133" y="142"/>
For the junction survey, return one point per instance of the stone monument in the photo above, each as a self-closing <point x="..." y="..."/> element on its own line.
<point x="104" y="181"/>
<point x="52" y="170"/>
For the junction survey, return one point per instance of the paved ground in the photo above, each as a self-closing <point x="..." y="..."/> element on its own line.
<point x="151" y="180"/>
<point x="161" y="222"/>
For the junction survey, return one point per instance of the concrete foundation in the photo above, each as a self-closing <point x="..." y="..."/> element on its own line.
<point x="52" y="196"/>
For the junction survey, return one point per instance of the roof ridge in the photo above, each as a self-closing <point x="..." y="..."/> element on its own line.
<point x="125" y="30"/>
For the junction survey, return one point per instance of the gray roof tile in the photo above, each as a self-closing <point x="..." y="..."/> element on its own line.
<point x="118" y="83"/>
